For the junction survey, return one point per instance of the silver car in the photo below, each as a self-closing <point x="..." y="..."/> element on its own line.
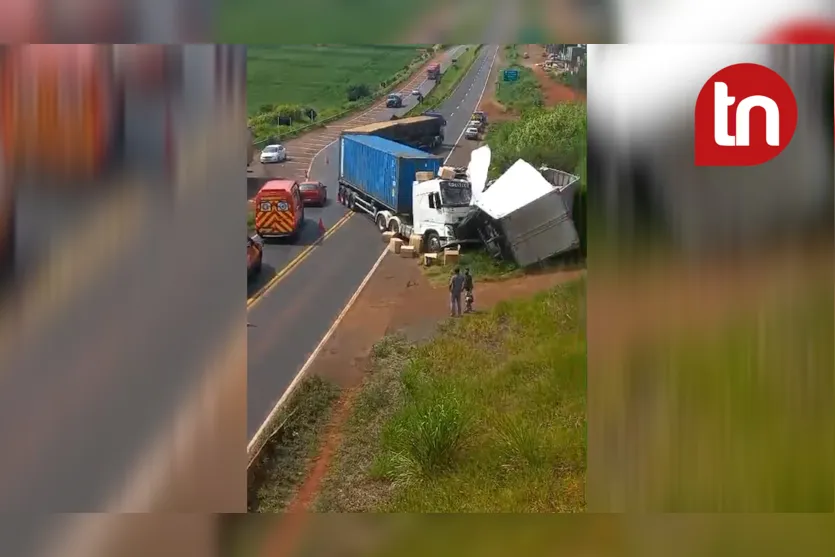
<point x="273" y="153"/>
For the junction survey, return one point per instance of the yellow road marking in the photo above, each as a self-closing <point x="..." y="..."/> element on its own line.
<point x="295" y="262"/>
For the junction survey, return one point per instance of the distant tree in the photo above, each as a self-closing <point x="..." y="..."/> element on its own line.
<point x="357" y="91"/>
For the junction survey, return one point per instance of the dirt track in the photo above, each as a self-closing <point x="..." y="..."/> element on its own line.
<point x="553" y="91"/>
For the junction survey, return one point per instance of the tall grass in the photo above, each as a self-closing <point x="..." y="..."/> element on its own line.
<point x="489" y="416"/>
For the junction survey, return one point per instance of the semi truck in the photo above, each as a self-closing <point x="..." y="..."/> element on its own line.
<point x="382" y="178"/>
<point x="433" y="71"/>
<point x="425" y="132"/>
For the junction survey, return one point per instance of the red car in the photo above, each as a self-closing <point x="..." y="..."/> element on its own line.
<point x="314" y="193"/>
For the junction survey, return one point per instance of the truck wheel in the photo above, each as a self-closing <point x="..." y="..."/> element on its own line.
<point x="394" y="226"/>
<point x="352" y="202"/>
<point x="381" y="222"/>
<point x="432" y="242"/>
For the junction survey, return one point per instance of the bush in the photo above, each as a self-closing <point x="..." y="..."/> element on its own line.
<point x="554" y="137"/>
<point x="356" y="92"/>
<point x="523" y="94"/>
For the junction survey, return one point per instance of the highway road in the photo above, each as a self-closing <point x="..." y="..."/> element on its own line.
<point x="290" y="318"/>
<point x="303" y="150"/>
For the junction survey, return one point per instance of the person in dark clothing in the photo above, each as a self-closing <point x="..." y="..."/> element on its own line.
<point x="468" y="290"/>
<point x="456" y="288"/>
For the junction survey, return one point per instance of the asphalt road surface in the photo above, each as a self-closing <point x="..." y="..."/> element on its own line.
<point x="290" y="319"/>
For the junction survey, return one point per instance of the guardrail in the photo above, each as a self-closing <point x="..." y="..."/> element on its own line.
<point x="401" y="77"/>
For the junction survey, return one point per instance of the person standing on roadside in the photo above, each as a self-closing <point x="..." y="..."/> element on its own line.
<point x="456" y="288"/>
<point x="468" y="289"/>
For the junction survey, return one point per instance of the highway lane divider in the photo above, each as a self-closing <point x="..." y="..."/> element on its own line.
<point x="296" y="261"/>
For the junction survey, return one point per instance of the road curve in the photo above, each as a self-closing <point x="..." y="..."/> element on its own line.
<point x="302" y="150"/>
<point x="291" y="318"/>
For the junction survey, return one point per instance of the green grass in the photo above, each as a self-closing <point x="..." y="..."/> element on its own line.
<point x="317" y="76"/>
<point x="282" y="464"/>
<point x="485" y="268"/>
<point x="523" y="93"/>
<point x="451" y="78"/>
<point x="488" y="416"/>
<point x="481" y="266"/>
<point x="315" y="21"/>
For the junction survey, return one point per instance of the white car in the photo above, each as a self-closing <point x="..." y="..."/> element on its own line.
<point x="273" y="153"/>
<point x="471" y="133"/>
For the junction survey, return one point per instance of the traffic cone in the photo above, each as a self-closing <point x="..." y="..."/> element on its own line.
<point x="322" y="228"/>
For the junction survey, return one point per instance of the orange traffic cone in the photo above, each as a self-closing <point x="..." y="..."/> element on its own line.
<point x="322" y="228"/>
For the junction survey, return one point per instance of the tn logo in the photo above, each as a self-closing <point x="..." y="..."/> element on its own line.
<point x="746" y="114"/>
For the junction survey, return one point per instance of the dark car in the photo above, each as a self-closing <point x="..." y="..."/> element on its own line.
<point x="314" y="193"/>
<point x="394" y="101"/>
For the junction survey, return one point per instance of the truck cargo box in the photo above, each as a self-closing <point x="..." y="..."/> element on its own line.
<point x="528" y="217"/>
<point x="382" y="169"/>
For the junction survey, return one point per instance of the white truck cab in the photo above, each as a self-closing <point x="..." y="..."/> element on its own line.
<point x="437" y="206"/>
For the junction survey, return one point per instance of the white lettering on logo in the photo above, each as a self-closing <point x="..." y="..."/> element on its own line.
<point x="722" y="101"/>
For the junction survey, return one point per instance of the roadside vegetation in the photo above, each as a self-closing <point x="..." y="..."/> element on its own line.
<point x="522" y="94"/>
<point x="488" y="416"/>
<point x="280" y="467"/>
<point x="292" y="87"/>
<point x="480" y="264"/>
<point x="449" y="81"/>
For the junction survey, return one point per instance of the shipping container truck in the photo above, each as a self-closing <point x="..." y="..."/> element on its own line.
<point x="381" y="177"/>
<point x="433" y="71"/>
<point x="424" y="132"/>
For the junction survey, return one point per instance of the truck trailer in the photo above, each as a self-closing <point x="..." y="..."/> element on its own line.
<point x="424" y="132"/>
<point x="381" y="177"/>
<point x="524" y="217"/>
<point x="433" y="72"/>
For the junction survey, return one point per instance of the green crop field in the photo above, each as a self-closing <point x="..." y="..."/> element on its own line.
<point x="318" y="75"/>
<point x="312" y="21"/>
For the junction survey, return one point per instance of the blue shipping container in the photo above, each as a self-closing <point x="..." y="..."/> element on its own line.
<point x="383" y="169"/>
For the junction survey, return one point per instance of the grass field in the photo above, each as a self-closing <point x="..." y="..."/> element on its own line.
<point x="313" y="21"/>
<point x="522" y="93"/>
<point x="317" y="75"/>
<point x="487" y="417"/>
